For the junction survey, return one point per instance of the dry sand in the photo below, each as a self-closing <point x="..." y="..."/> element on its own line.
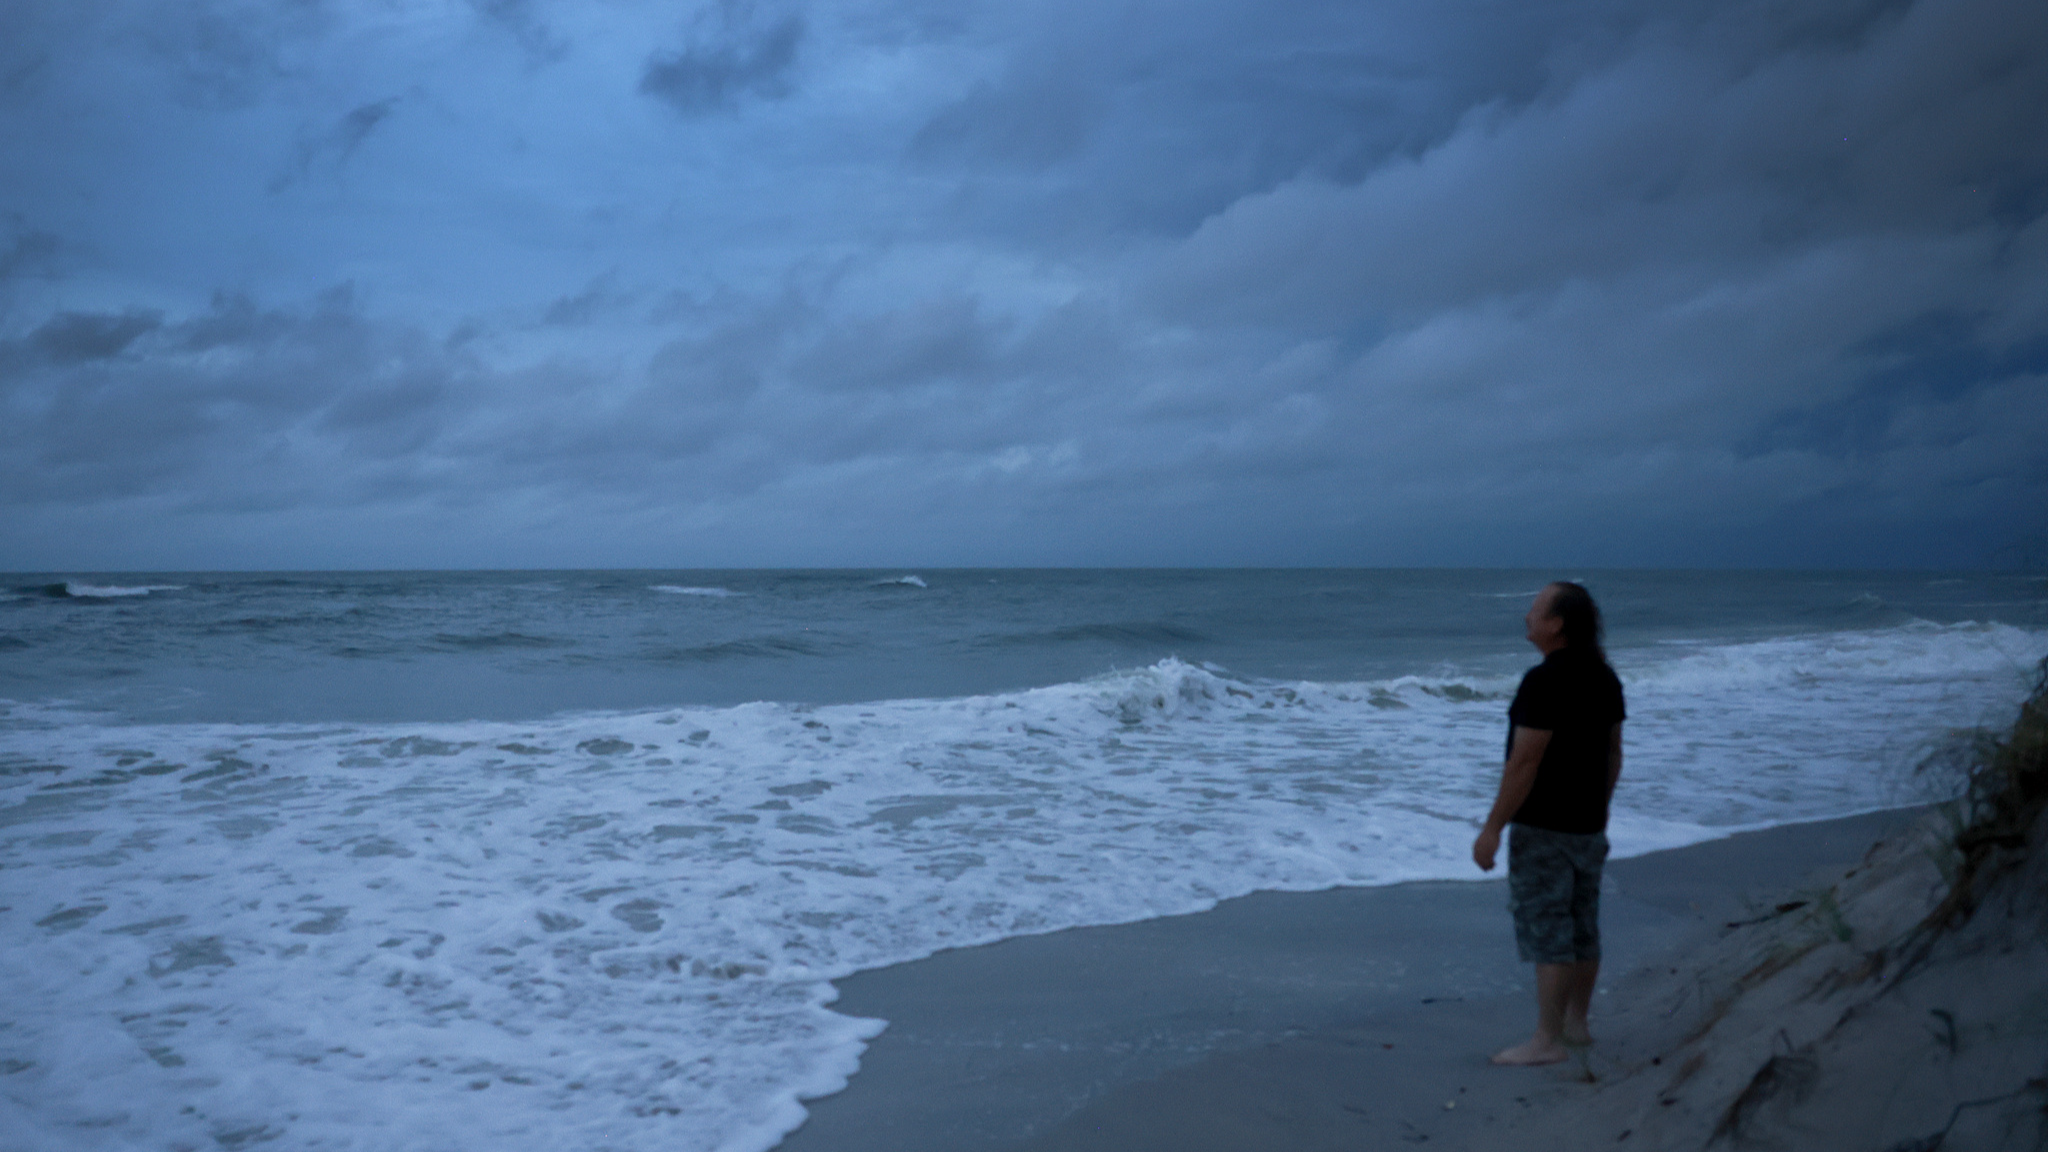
<point x="1361" y="1018"/>
<point x="1828" y="1022"/>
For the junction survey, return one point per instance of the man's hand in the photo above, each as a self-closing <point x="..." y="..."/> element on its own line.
<point x="1484" y="848"/>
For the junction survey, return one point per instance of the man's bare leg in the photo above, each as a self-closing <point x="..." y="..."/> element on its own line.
<point x="1578" y="1001"/>
<point x="1554" y="986"/>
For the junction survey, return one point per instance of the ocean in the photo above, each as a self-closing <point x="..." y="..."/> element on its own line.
<point x="566" y="860"/>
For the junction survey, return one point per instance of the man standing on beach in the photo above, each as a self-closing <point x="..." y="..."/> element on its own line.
<point x="1563" y="758"/>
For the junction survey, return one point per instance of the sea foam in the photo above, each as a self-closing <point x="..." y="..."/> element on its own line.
<point x="615" y="931"/>
<point x="78" y="589"/>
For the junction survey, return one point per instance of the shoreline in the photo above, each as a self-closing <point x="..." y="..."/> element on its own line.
<point x="1337" y="1018"/>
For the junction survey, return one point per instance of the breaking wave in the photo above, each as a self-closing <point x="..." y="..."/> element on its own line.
<point x="617" y="929"/>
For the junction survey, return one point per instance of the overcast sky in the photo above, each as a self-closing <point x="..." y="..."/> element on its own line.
<point x="568" y="283"/>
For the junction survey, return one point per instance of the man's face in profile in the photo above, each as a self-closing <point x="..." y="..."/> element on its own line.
<point x="1544" y="627"/>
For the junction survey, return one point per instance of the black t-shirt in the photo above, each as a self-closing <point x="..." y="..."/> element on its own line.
<point x="1577" y="699"/>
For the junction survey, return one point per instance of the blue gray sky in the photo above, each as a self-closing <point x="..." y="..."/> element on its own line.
<point x="567" y="283"/>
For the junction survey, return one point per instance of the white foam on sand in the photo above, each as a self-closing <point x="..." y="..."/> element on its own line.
<point x="615" y="931"/>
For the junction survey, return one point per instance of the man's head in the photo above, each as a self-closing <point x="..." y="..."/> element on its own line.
<point x="1564" y="616"/>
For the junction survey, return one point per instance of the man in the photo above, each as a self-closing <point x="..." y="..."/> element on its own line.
<point x="1564" y="756"/>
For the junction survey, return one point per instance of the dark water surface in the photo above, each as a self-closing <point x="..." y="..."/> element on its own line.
<point x="515" y="860"/>
<point x="419" y="646"/>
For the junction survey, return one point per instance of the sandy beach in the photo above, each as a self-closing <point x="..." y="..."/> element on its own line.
<point x="1362" y="1018"/>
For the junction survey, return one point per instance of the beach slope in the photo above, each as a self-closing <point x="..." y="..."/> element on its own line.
<point x="1878" y="982"/>
<point x="1342" y="1019"/>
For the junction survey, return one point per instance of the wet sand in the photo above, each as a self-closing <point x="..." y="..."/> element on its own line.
<point x="1349" y="1018"/>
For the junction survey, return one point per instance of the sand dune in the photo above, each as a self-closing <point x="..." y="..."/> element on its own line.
<point x="1828" y="1020"/>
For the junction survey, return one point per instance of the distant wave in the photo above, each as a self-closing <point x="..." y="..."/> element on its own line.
<point x="1915" y="652"/>
<point x="1144" y="632"/>
<point x="261" y="624"/>
<point x="1862" y="609"/>
<point x="755" y="647"/>
<point x="496" y="640"/>
<point x="80" y="590"/>
<point x="908" y="581"/>
<point x="680" y="590"/>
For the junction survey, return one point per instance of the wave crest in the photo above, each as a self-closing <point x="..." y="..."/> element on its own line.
<point x="81" y="590"/>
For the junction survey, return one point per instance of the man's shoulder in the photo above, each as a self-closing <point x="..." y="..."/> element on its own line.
<point x="1587" y="665"/>
<point x="1572" y="681"/>
<point x="1536" y="677"/>
<point x="1535" y="699"/>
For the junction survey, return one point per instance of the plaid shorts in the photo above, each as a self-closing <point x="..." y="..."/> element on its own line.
<point x="1554" y="892"/>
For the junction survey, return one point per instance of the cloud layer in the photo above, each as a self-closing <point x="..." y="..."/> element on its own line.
<point x="529" y="283"/>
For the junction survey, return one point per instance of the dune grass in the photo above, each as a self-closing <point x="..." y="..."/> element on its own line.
<point x="2002" y="791"/>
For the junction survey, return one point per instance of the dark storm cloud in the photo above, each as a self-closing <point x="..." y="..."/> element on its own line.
<point x="251" y="407"/>
<point x="332" y="146"/>
<point x="31" y="261"/>
<point x="1731" y="149"/>
<point x="72" y="337"/>
<point x="1932" y="363"/>
<point x="1466" y="281"/>
<point x="601" y="297"/>
<point x="30" y="36"/>
<point x="230" y="55"/>
<point x="1715" y="255"/>
<point x="523" y="21"/>
<point x="1169" y="113"/>
<point x="217" y="55"/>
<point x="737" y="55"/>
<point x="19" y="75"/>
<point x="312" y="405"/>
<point x="769" y="391"/>
<point x="27" y="252"/>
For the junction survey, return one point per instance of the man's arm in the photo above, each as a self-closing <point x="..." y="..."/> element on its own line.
<point x="1524" y="754"/>
<point x="1613" y="758"/>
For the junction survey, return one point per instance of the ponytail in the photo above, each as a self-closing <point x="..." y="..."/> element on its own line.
<point x="1582" y="627"/>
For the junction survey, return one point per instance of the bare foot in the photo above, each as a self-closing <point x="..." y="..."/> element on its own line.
<point x="1577" y="1037"/>
<point x="1532" y="1053"/>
